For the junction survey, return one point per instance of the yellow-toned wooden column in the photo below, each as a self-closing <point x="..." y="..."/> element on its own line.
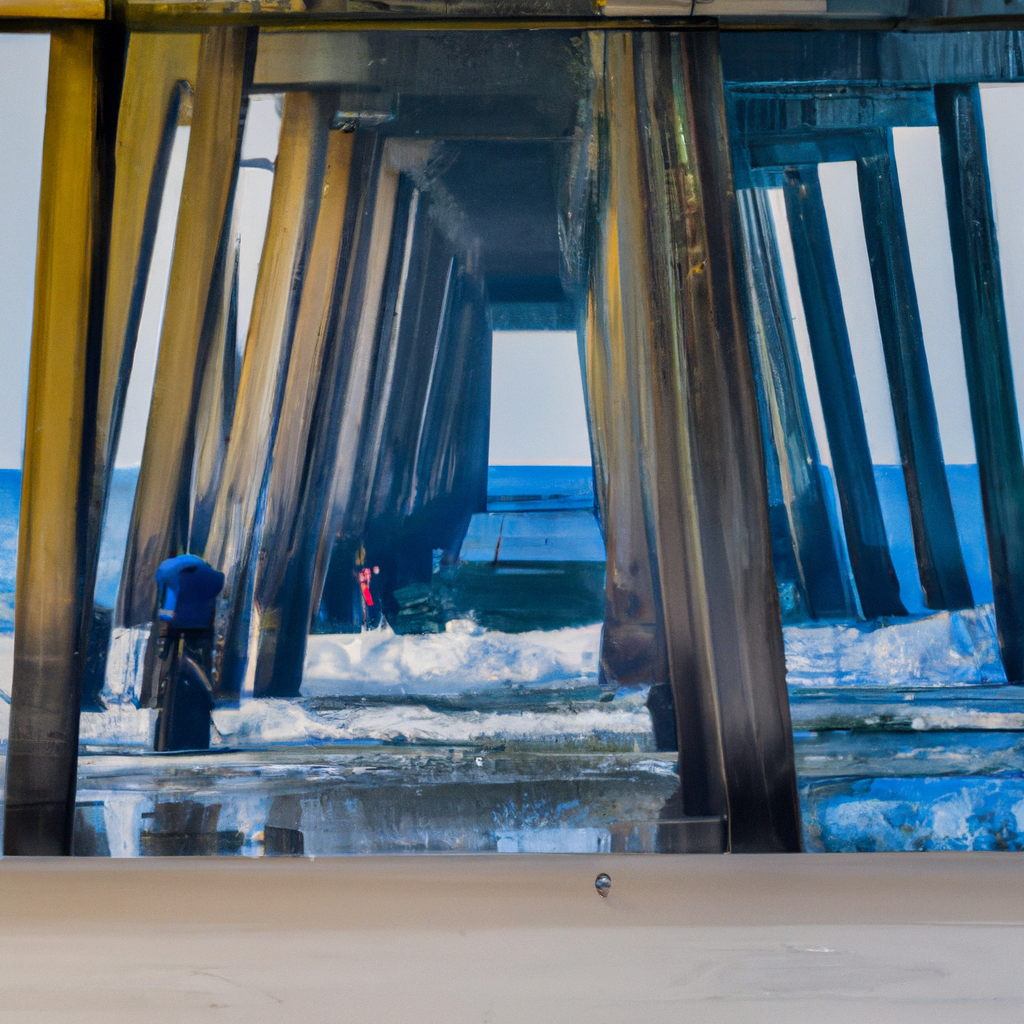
<point x="218" y="391"/>
<point x="361" y="309"/>
<point x="285" y="540"/>
<point x="159" y="73"/>
<point x="237" y="524"/>
<point x="52" y="555"/>
<point x="159" y="525"/>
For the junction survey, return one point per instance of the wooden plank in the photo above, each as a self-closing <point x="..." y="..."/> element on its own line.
<point x="80" y="10"/>
<point x="514" y="938"/>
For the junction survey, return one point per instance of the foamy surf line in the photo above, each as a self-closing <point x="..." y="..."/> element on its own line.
<point x="945" y="649"/>
<point x="621" y="724"/>
<point x="465" y="657"/>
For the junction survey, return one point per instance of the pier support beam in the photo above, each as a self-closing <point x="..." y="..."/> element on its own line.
<point x="866" y="540"/>
<point x="667" y="274"/>
<point x="56" y="556"/>
<point x="160" y="72"/>
<point x="239" y="512"/>
<point x="632" y="642"/>
<point x="282" y="612"/>
<point x="979" y="292"/>
<point x="632" y="639"/>
<point x="791" y="433"/>
<point x="160" y="515"/>
<point x="302" y="470"/>
<point x="939" y="558"/>
<point x="351" y="389"/>
<point x="411" y="462"/>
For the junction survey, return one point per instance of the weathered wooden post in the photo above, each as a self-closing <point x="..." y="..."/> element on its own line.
<point x="866" y="541"/>
<point x="667" y="276"/>
<point x="939" y="558"/>
<point x="979" y="293"/>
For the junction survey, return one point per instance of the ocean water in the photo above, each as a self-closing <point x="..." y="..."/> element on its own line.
<point x="112" y="547"/>
<point x="535" y="489"/>
<point x="936" y="813"/>
<point x="10" y="502"/>
<point x="907" y="735"/>
<point x="539" y="488"/>
<point x="965" y="492"/>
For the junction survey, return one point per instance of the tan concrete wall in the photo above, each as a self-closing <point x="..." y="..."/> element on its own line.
<point x="863" y="938"/>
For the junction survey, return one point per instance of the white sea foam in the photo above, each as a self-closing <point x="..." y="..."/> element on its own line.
<point x="466" y="657"/>
<point x="945" y="649"/>
<point x="622" y="722"/>
<point x="948" y="648"/>
<point x="119" y="725"/>
<point x="126" y="657"/>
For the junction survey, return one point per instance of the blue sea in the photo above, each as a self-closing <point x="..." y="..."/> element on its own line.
<point x="907" y="735"/>
<point x="115" y="539"/>
<point x="539" y="488"/>
<point x="518" y="489"/>
<point x="510" y="488"/>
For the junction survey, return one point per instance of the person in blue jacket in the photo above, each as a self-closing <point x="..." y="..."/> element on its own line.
<point x="188" y="589"/>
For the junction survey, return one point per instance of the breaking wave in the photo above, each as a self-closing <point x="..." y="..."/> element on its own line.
<point x="465" y="658"/>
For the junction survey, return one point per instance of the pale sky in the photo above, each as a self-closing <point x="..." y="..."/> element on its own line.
<point x="23" y="67"/>
<point x="140" y="386"/>
<point x="538" y="417"/>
